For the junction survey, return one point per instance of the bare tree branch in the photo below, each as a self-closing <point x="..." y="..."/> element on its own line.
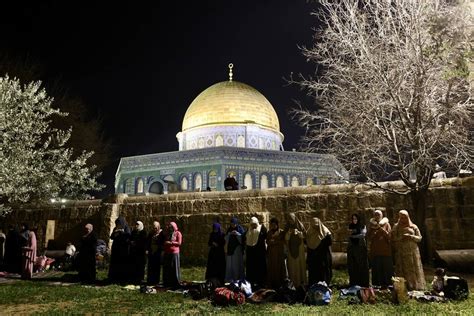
<point x="393" y="89"/>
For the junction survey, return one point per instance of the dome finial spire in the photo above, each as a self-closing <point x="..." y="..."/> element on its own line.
<point x="231" y="65"/>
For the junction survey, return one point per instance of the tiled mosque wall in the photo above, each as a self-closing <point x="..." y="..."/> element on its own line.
<point x="450" y="212"/>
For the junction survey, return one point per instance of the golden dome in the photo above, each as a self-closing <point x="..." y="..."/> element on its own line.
<point x="230" y="103"/>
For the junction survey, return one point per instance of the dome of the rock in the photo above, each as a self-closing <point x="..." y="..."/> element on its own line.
<point x="230" y="102"/>
<point x="233" y="114"/>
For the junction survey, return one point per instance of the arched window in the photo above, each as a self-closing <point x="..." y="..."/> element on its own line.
<point x="129" y="187"/>
<point x="201" y="142"/>
<point x="140" y="185"/>
<point x="197" y="181"/>
<point x="261" y="143"/>
<point x="184" y="184"/>
<point x="248" y="181"/>
<point x="309" y="181"/>
<point x="219" y="141"/>
<point x="264" y="182"/>
<point x="156" y="188"/>
<point x="280" y="182"/>
<point x="295" y="182"/>
<point x="240" y="141"/>
<point x="212" y="179"/>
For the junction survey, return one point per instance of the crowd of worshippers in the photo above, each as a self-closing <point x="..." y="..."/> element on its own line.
<point x="272" y="256"/>
<point x="303" y="255"/>
<point x="266" y="258"/>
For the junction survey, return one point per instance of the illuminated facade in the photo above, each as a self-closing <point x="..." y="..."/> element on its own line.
<point x="229" y="129"/>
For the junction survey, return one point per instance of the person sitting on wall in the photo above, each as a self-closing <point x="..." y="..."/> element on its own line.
<point x="439" y="173"/>
<point x="70" y="251"/>
<point x="231" y="184"/>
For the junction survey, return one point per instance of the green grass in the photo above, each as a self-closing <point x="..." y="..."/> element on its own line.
<point x="45" y="298"/>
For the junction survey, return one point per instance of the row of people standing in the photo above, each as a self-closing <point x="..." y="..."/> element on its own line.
<point x="130" y="249"/>
<point x="271" y="255"/>
<point x="20" y="251"/>
<point x="401" y="241"/>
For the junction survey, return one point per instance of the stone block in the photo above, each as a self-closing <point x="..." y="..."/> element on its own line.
<point x="296" y="203"/>
<point x="273" y="204"/>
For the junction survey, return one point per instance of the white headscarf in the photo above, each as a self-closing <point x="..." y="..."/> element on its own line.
<point x="383" y="220"/>
<point x="140" y="226"/>
<point x="316" y="232"/>
<point x="253" y="233"/>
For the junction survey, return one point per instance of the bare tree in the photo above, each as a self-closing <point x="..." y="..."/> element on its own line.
<point x="392" y="89"/>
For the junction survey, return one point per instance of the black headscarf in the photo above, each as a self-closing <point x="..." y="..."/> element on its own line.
<point x="122" y="222"/>
<point x="356" y="228"/>
<point x="274" y="220"/>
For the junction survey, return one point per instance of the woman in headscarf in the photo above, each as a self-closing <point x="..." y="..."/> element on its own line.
<point x="319" y="258"/>
<point x="380" y="250"/>
<point x="276" y="265"/>
<point x="357" y="260"/>
<point x="13" y="256"/>
<point x="216" y="259"/>
<point x="256" y="253"/>
<point x="171" y="264"/>
<point x="86" y="258"/>
<point x="155" y="244"/>
<point x="406" y="237"/>
<point x="120" y="268"/>
<point x="29" y="252"/>
<point x="294" y="238"/>
<point x="234" y="265"/>
<point x="138" y="252"/>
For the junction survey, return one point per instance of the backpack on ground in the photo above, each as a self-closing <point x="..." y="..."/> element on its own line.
<point x="318" y="294"/>
<point x="456" y="288"/>
<point x="366" y="295"/>
<point x="224" y="297"/>
<point x="286" y="293"/>
<point x="263" y="296"/>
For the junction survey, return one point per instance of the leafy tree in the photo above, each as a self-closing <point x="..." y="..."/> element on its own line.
<point x="393" y="90"/>
<point x="35" y="163"/>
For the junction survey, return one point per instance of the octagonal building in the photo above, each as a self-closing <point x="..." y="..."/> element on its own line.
<point x="229" y="130"/>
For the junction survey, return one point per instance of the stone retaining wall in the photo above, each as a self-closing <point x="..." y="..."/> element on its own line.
<point x="450" y="212"/>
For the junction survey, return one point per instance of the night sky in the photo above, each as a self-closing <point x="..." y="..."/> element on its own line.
<point x="139" y="67"/>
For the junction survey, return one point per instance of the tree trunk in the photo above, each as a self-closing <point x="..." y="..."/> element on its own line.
<point x="419" y="218"/>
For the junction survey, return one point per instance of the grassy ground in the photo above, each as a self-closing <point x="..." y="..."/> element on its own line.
<point x="47" y="296"/>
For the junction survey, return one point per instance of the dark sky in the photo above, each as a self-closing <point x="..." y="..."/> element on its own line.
<point x="140" y="65"/>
